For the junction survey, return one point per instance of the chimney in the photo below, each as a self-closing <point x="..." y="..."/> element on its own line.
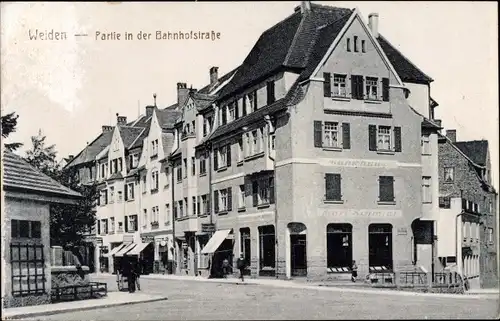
<point x="106" y="128"/>
<point x="149" y="110"/>
<point x="305" y="6"/>
<point x="182" y="92"/>
<point x="214" y="75"/>
<point x="121" y="120"/>
<point x="373" y="23"/>
<point x="451" y="134"/>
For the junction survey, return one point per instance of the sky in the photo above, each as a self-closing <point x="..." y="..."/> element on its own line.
<point x="70" y="88"/>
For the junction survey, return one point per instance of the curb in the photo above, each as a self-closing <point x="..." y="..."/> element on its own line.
<point x="42" y="313"/>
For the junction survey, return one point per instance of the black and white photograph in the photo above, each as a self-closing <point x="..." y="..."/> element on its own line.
<point x="249" y="160"/>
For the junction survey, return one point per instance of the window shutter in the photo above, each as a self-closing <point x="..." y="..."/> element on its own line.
<point x="228" y="155"/>
<point x="327" y="84"/>
<point x="255" y="104"/>
<point x="271" y="190"/>
<point x="126" y="192"/>
<point x="397" y="139"/>
<point x="208" y="209"/>
<point x="229" y="199"/>
<point x="175" y="210"/>
<point x="360" y="89"/>
<point x="346" y="136"/>
<point x="198" y="205"/>
<point x="216" y="160"/>
<point x="224" y="115"/>
<point x="386" y="187"/>
<point x="354" y="87"/>
<point x="136" y="223"/>
<point x="255" y="193"/>
<point x="318" y="133"/>
<point x="372" y="137"/>
<point x="385" y="89"/>
<point x="98" y="227"/>
<point x="216" y="201"/>
<point x="126" y="223"/>
<point x="244" y="106"/>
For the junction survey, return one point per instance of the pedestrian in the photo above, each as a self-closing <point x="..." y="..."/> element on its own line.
<point x="137" y="273"/>
<point x="354" y="269"/>
<point x="241" y="265"/>
<point x="225" y="268"/>
<point x="129" y="272"/>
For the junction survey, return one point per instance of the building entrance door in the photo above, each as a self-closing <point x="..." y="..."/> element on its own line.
<point x="298" y="255"/>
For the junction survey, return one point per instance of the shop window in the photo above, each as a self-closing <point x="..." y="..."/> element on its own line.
<point x="245" y="245"/>
<point x="380" y="247"/>
<point x="267" y="243"/>
<point x="339" y="247"/>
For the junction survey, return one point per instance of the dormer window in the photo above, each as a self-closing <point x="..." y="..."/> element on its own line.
<point x="154" y="148"/>
<point x="134" y="160"/>
<point x="232" y="112"/>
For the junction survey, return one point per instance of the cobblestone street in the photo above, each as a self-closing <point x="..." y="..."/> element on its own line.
<point x="212" y="301"/>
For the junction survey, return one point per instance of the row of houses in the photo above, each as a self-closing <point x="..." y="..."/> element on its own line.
<point x="321" y="148"/>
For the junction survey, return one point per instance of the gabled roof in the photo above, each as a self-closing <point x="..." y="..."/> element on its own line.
<point x="19" y="175"/>
<point x="130" y="134"/>
<point x="167" y="117"/>
<point x="406" y="70"/>
<point x="208" y="88"/>
<point x="476" y="150"/>
<point x="89" y="153"/>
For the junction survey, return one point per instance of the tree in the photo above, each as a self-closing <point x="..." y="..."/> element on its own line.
<point x="42" y="157"/>
<point x="9" y="123"/>
<point x="68" y="222"/>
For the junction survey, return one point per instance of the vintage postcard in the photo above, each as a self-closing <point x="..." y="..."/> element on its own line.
<point x="249" y="160"/>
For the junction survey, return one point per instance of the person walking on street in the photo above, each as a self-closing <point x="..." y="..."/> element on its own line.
<point x="241" y="265"/>
<point x="137" y="273"/>
<point x="129" y="272"/>
<point x="225" y="268"/>
<point x="354" y="271"/>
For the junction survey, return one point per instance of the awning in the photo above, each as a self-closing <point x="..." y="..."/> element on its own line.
<point x="215" y="241"/>
<point x="138" y="249"/>
<point x="116" y="249"/>
<point x="125" y="249"/>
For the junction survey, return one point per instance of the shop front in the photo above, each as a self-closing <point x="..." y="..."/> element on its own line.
<point x="219" y="247"/>
<point x="164" y="258"/>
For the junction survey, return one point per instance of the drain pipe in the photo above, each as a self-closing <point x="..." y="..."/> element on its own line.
<point x="457" y="259"/>
<point x="174" y="218"/>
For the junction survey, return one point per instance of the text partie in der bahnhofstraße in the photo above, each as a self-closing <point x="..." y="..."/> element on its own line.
<point x="100" y="35"/>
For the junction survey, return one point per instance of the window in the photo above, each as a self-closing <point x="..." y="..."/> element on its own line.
<point x="155" y="218"/>
<point x="120" y="227"/>
<point x="104" y="197"/>
<point x="255" y="140"/>
<point x="193" y="125"/>
<point x="186" y="211"/>
<point x="253" y="100"/>
<point x="193" y="166"/>
<point x="371" y="88"/>
<point x="223" y="200"/>
<point x="426" y="190"/>
<point x="267" y="250"/>
<point x="426" y="145"/>
<point x="240" y="150"/>
<point x="167" y="177"/>
<point x="232" y="112"/>
<point x="444" y="202"/>
<point x="331" y="135"/>
<point x="26" y="229"/>
<point x="112" y="225"/>
<point x="104" y="226"/>
<point x="327" y="85"/>
<point x="134" y="160"/>
<point x="185" y="162"/>
<point x="357" y="87"/>
<point x="223" y="158"/>
<point x="244" y="105"/>
<point x="166" y="219"/>
<point x="261" y="140"/>
<point x="132" y="223"/>
<point x="339" y="247"/>
<point x="129" y="191"/>
<point x="145" y="218"/>
<point x="348" y="44"/>
<point x="144" y="186"/>
<point x="363" y="47"/>
<point x="241" y="197"/>
<point x="205" y="209"/>
<point x="339" y="85"/>
<point x="386" y="189"/>
<point x="263" y="191"/>
<point x="120" y="197"/>
<point x="154" y="148"/>
<point x="333" y="191"/>
<point x="179" y="173"/>
<point x="380" y="247"/>
<point x="449" y="174"/>
<point x="271" y="98"/>
<point x="205" y="126"/>
<point x="28" y="269"/>
<point x="490" y="235"/>
<point x="273" y="142"/>
<point x="203" y="164"/>
<point x="223" y="115"/>
<point x="356" y="44"/>
<point x="194" y="205"/>
<point x="384" y="138"/>
<point x="112" y="194"/>
<point x="154" y="181"/>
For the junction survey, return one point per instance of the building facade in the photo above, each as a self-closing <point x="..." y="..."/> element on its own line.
<point x="467" y="225"/>
<point x="312" y="154"/>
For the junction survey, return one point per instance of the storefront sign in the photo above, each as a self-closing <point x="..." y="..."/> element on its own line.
<point x="94" y="239"/>
<point x="357" y="163"/>
<point x="147" y="239"/>
<point x="363" y="213"/>
<point x="402" y="231"/>
<point x="128" y="238"/>
<point x="207" y="227"/>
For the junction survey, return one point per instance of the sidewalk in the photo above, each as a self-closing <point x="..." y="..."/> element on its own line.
<point x="112" y="299"/>
<point x="340" y="286"/>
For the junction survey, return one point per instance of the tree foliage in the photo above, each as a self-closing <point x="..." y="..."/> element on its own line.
<point x="68" y="222"/>
<point x="9" y="123"/>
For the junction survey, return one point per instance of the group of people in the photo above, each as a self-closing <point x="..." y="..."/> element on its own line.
<point x="131" y="269"/>
<point x="241" y="264"/>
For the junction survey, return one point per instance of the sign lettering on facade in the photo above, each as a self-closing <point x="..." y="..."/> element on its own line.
<point x="363" y="213"/>
<point x="147" y="239"/>
<point x="207" y="227"/>
<point x="402" y="231"/>
<point x="357" y="163"/>
<point x="128" y="238"/>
